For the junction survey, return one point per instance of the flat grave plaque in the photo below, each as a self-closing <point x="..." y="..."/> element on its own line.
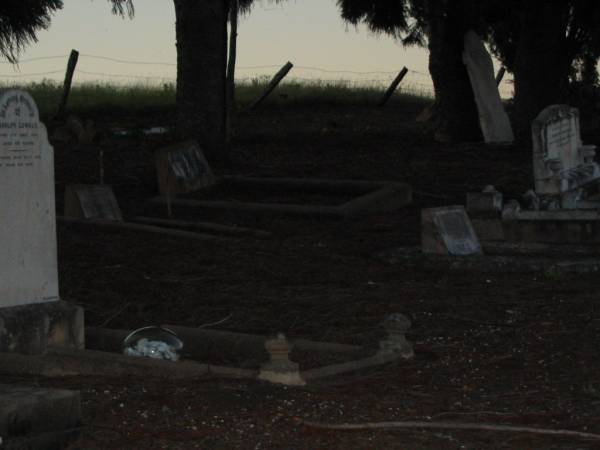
<point x="94" y="201"/>
<point x="448" y="230"/>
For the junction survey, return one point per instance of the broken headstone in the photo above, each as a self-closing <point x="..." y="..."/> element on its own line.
<point x="493" y="119"/>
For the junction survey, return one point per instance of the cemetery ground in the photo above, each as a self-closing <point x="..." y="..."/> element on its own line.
<point x="490" y="348"/>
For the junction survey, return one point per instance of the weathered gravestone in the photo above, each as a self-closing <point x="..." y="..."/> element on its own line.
<point x="495" y="125"/>
<point x="31" y="315"/>
<point x="560" y="162"/>
<point x="448" y="231"/>
<point x="94" y="201"/>
<point x="182" y="168"/>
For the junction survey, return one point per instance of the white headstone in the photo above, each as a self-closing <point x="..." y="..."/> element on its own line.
<point x="28" y="267"/>
<point x="560" y="162"/>
<point x="495" y="125"/>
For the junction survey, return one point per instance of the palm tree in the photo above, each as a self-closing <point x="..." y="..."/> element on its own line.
<point x="20" y="21"/>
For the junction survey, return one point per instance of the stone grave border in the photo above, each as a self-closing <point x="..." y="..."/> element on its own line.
<point x="502" y="257"/>
<point x="103" y="358"/>
<point x="371" y="197"/>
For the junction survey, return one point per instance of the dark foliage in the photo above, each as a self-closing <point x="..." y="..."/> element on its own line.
<point x="19" y="22"/>
<point x="578" y="30"/>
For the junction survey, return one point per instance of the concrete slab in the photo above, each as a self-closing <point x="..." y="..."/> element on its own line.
<point x="32" y="417"/>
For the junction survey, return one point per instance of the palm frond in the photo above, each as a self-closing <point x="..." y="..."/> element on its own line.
<point x="19" y="22"/>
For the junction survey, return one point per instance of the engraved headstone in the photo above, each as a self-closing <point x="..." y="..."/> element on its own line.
<point x="28" y="268"/>
<point x="182" y="168"/>
<point x="560" y="162"/>
<point x="448" y="231"/>
<point x="95" y="201"/>
<point x="493" y="119"/>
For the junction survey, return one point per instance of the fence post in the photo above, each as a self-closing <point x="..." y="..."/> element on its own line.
<point x="500" y="75"/>
<point x="393" y="86"/>
<point x="62" y="107"/>
<point x="272" y="85"/>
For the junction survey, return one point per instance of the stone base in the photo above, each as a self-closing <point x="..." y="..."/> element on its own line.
<point x="488" y="229"/>
<point x="553" y="227"/>
<point x="31" y="329"/>
<point x="35" y="418"/>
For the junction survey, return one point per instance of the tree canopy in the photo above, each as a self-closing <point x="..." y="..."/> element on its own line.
<point x="20" y="20"/>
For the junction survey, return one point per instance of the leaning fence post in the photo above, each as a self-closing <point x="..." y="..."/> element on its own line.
<point x="272" y="85"/>
<point x="393" y="86"/>
<point x="62" y="107"/>
<point x="500" y="75"/>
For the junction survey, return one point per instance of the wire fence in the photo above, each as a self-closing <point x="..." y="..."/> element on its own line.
<point x="98" y="68"/>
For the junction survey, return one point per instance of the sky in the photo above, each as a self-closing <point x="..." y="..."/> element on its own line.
<point x="309" y="33"/>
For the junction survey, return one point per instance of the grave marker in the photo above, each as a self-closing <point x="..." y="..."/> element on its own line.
<point x="560" y="162"/>
<point x="448" y="231"/>
<point x="30" y="314"/>
<point x="28" y="233"/>
<point x="182" y="168"/>
<point x="493" y="119"/>
<point x="96" y="201"/>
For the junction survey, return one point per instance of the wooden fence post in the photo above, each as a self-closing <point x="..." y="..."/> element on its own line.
<point x="393" y="86"/>
<point x="272" y="85"/>
<point x="500" y="75"/>
<point x="62" y="107"/>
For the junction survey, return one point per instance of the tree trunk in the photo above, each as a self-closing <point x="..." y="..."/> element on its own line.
<point x="456" y="112"/>
<point x="542" y="61"/>
<point x="201" y="31"/>
<point x="233" y="21"/>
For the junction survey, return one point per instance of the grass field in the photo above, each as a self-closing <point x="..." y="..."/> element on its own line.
<point x="105" y="96"/>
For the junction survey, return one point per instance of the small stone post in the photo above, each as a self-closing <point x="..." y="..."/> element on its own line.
<point x="396" y="325"/>
<point x="280" y="369"/>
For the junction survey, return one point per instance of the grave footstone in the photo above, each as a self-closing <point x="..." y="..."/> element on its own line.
<point x="495" y="125"/>
<point x="561" y="163"/>
<point x="182" y="168"/>
<point x="94" y="201"/>
<point x="448" y="231"/>
<point x="31" y="314"/>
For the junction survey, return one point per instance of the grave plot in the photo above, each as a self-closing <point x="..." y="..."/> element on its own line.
<point x="554" y="228"/>
<point x="205" y="352"/>
<point x="276" y="359"/>
<point x="187" y="185"/>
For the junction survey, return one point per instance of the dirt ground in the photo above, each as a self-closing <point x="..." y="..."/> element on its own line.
<point x="514" y="349"/>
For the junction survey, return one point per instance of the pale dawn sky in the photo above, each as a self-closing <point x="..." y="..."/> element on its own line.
<point x="309" y="33"/>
